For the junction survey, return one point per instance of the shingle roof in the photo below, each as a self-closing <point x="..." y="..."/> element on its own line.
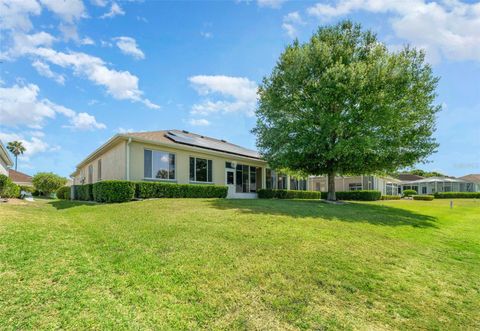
<point x="19" y="177"/>
<point x="473" y="178"/>
<point x="196" y="140"/>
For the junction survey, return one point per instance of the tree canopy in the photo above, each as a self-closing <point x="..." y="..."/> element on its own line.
<point x="48" y="182"/>
<point x="342" y="103"/>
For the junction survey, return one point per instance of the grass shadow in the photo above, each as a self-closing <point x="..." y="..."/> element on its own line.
<point x="65" y="204"/>
<point x="350" y="212"/>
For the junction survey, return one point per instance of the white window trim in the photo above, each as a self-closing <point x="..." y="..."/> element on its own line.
<point x="195" y="172"/>
<point x="155" y="178"/>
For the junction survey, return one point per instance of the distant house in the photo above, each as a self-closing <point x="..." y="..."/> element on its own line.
<point x="385" y="184"/>
<point x="473" y="178"/>
<point x="5" y="160"/>
<point x="432" y="185"/>
<point x="20" y="178"/>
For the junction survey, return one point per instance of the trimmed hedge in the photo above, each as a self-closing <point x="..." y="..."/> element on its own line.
<point x="423" y="197"/>
<point x="457" y="195"/>
<point x="64" y="193"/>
<point x="390" y="197"/>
<point x="83" y="192"/>
<point x="147" y="190"/>
<point x="113" y="191"/>
<point x="286" y="194"/>
<point x="360" y="195"/>
<point x="409" y="193"/>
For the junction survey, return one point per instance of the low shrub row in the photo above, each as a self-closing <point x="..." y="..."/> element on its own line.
<point x="64" y="193"/>
<point x="390" y="197"/>
<point x="423" y="197"/>
<point x="457" y="195"/>
<point x="146" y="190"/>
<point x="360" y="195"/>
<point x="286" y="194"/>
<point x="121" y="191"/>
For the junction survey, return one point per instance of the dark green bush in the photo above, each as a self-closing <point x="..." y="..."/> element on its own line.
<point x="147" y="190"/>
<point x="114" y="191"/>
<point x="457" y="195"/>
<point x="288" y="194"/>
<point x="8" y="189"/>
<point x="64" y="193"/>
<point x="423" y="197"/>
<point x="48" y="182"/>
<point x="409" y="193"/>
<point x="390" y="197"/>
<point x="83" y="192"/>
<point x="360" y="195"/>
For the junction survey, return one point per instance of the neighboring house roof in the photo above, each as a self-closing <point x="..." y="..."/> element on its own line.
<point x="473" y="178"/>
<point x="19" y="177"/>
<point x="409" y="177"/>
<point x="4" y="155"/>
<point x="437" y="179"/>
<point x="178" y="139"/>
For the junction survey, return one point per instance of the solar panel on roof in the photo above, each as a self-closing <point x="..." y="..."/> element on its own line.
<point x="210" y="144"/>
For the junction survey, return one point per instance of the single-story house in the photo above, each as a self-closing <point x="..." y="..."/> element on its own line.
<point x="385" y="184"/>
<point x="5" y="160"/>
<point x="20" y="178"/>
<point x="178" y="156"/>
<point x="432" y="185"/>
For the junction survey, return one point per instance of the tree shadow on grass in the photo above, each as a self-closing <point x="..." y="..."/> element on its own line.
<point x="65" y="204"/>
<point x="350" y="212"/>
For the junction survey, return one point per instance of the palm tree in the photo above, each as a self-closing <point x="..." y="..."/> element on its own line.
<point x="17" y="148"/>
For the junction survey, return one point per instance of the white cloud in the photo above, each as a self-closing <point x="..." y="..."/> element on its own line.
<point x="445" y="29"/>
<point x="23" y="43"/>
<point x="199" y="122"/>
<point x="21" y="106"/>
<point x="238" y="94"/>
<point x="270" y="3"/>
<point x="123" y="130"/>
<point x="129" y="46"/>
<point x="44" y="70"/>
<point x="206" y="35"/>
<point x="33" y="145"/>
<point x="87" y="41"/>
<point x="115" y="10"/>
<point x="68" y="10"/>
<point x="99" y="3"/>
<point x="15" y="15"/>
<point x="290" y="23"/>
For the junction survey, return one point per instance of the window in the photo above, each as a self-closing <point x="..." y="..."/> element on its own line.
<point x="282" y="182"/>
<point x="230" y="178"/>
<point x="200" y="170"/>
<point x="243" y="180"/>
<point x="159" y="165"/>
<point x="229" y="165"/>
<point x="90" y="174"/>
<point x="424" y="190"/>
<point x="355" y="186"/>
<point x="253" y="179"/>
<point x="99" y="169"/>
<point x="271" y="179"/>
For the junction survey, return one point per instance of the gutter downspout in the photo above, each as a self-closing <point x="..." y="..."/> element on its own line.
<point x="127" y="166"/>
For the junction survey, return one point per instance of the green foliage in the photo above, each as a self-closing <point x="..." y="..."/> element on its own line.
<point x="64" y="193"/>
<point x="360" y="195"/>
<point x="29" y="189"/>
<point x="423" y="197"/>
<point x="409" y="193"/>
<point x="457" y="195"/>
<point x="390" y="197"/>
<point x="114" y="191"/>
<point x="83" y="192"/>
<point x="341" y="103"/>
<point x="8" y="189"/>
<point x="146" y="190"/>
<point x="288" y="194"/>
<point x="48" y="182"/>
<point x="423" y="173"/>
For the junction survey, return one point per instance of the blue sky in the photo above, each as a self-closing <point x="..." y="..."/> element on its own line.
<point x="74" y="74"/>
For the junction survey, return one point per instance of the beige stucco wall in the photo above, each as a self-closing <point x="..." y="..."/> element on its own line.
<point x="3" y="167"/>
<point x="182" y="162"/>
<point x="113" y="165"/>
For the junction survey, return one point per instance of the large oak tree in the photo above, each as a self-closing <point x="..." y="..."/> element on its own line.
<point x="342" y="103"/>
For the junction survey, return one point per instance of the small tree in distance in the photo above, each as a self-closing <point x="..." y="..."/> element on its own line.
<point x="16" y="148"/>
<point x="48" y="182"/>
<point x="343" y="104"/>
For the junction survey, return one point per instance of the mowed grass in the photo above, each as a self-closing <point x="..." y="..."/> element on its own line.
<point x="241" y="265"/>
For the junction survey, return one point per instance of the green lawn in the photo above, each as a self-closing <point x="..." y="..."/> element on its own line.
<point x="232" y="264"/>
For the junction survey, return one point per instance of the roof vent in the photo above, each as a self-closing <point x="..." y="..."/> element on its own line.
<point x="202" y="136"/>
<point x="185" y="131"/>
<point x="223" y="140"/>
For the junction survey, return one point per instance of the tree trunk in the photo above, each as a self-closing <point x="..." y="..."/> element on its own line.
<point x="16" y="162"/>
<point x="331" y="186"/>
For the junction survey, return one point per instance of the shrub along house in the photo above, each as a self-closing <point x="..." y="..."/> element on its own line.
<point x="181" y="157"/>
